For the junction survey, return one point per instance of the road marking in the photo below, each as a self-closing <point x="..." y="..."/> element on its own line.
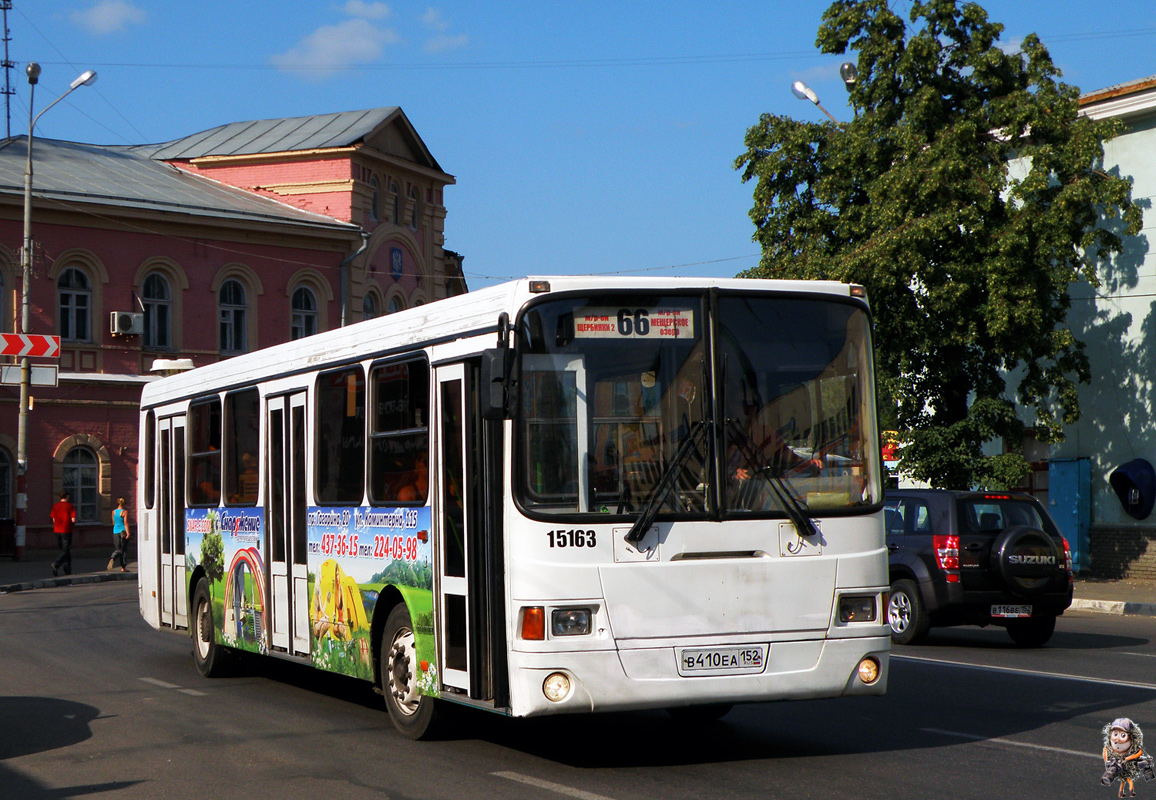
<point x="1130" y="653"/>
<point x="999" y="740"/>
<point x="166" y="685"/>
<point x="1034" y="673"/>
<point x="553" y="787"/>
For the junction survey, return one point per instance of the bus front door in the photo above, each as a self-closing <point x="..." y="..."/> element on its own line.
<point x="467" y="516"/>
<point x="173" y="599"/>
<point x="286" y="507"/>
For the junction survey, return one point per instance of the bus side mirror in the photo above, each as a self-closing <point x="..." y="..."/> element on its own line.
<point x="493" y="384"/>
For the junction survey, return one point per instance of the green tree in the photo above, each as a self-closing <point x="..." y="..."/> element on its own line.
<point x="213" y="552"/>
<point x="967" y="195"/>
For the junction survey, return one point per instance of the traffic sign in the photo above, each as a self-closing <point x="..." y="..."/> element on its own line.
<point x="29" y="344"/>
<point x="39" y="375"/>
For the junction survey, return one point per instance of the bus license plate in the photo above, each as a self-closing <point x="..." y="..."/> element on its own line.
<point x="1011" y="611"/>
<point x="746" y="660"/>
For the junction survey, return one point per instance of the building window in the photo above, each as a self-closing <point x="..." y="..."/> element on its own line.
<point x="395" y="196"/>
<point x="395" y="305"/>
<point x="81" y="481"/>
<point x="304" y="322"/>
<point x="375" y="199"/>
<point x="233" y="308"/>
<point x="75" y="306"/>
<point x="5" y="319"/>
<point x="369" y="306"/>
<point x="413" y="210"/>
<point x="158" y="312"/>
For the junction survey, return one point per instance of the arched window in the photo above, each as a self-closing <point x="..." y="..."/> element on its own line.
<point x="233" y="308"/>
<point x="395" y="305"/>
<point x="413" y="209"/>
<point x="81" y="481"/>
<point x="375" y="198"/>
<point x="158" y="312"/>
<point x="74" y="304"/>
<point x="369" y="306"/>
<point x="395" y="195"/>
<point x="304" y="322"/>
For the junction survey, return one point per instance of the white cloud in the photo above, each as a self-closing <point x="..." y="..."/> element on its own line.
<point x="433" y="17"/>
<point x="439" y="44"/>
<point x="331" y="48"/>
<point x="108" y="16"/>
<point x="364" y="10"/>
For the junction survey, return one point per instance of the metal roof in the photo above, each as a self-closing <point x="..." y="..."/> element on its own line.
<point x="128" y="177"/>
<point x="276" y="135"/>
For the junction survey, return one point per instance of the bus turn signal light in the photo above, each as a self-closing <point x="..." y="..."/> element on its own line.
<point x="534" y="623"/>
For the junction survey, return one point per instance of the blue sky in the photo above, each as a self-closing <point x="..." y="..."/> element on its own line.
<point x="585" y="137"/>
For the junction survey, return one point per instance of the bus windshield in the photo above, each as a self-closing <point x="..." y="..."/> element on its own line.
<point x="617" y="407"/>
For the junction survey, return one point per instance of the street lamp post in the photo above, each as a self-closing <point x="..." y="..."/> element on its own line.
<point x="805" y="92"/>
<point x="84" y="79"/>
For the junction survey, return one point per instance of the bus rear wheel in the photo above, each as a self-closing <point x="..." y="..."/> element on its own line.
<point x="211" y="658"/>
<point x="413" y="713"/>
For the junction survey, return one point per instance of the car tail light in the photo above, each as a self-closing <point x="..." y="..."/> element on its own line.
<point x="947" y="555"/>
<point x="1068" y="561"/>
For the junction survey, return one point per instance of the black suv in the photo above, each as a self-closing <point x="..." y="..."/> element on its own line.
<point x="974" y="558"/>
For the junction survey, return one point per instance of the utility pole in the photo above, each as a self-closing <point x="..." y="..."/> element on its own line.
<point x="5" y="6"/>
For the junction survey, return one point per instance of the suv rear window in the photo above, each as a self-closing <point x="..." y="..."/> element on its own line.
<point x="992" y="515"/>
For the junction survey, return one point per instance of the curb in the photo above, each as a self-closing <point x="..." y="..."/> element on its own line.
<point x="67" y="580"/>
<point x="1118" y="607"/>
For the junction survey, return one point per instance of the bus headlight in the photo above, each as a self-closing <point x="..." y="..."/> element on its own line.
<point x="570" y="622"/>
<point x="857" y="608"/>
<point x="556" y="687"/>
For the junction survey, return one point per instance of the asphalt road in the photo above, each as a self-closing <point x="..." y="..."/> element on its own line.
<point x="94" y="703"/>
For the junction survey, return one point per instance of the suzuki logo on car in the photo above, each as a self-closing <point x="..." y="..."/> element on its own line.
<point x="1015" y="559"/>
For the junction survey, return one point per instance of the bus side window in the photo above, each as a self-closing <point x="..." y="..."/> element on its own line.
<point x="399" y="435"/>
<point x="340" y="465"/>
<point x="242" y="437"/>
<point x="205" y="452"/>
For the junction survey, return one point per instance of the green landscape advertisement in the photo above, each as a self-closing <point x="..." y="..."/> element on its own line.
<point x="353" y="553"/>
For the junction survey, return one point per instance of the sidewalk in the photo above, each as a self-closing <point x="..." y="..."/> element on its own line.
<point x="34" y="571"/>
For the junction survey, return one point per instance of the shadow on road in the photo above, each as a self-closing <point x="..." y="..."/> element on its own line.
<point x="30" y="725"/>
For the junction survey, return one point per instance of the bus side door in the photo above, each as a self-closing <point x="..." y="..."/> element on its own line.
<point x="469" y="601"/>
<point x="285" y="502"/>
<point x="173" y="599"/>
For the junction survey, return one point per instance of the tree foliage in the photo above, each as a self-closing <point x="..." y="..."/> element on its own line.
<point x="213" y="553"/>
<point x="967" y="195"/>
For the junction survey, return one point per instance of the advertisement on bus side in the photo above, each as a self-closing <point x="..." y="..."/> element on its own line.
<point x="353" y="553"/>
<point x="228" y="543"/>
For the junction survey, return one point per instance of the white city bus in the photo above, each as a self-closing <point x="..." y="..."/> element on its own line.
<point x="569" y="494"/>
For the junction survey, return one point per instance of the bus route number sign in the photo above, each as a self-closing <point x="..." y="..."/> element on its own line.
<point x="745" y="660"/>
<point x="634" y="323"/>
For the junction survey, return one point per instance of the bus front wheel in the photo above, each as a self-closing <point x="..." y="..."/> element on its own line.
<point x="211" y="658"/>
<point x="413" y="713"/>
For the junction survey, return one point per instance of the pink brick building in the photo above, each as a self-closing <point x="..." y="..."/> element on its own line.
<point x="222" y="242"/>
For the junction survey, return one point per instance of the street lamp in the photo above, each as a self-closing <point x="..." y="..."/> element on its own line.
<point x="805" y="92"/>
<point x="86" y="78"/>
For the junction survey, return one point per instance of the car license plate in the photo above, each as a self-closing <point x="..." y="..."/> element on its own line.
<point x="1011" y="611"/>
<point x="748" y="659"/>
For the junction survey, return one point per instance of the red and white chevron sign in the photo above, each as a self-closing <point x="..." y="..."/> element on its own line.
<point x="29" y="344"/>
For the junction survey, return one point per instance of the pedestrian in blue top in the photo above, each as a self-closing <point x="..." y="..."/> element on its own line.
<point x="120" y="536"/>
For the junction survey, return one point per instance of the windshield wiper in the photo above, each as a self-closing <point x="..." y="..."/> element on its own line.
<point x="796" y="509"/>
<point x="662" y="489"/>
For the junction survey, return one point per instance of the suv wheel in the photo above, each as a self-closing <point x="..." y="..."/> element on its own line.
<point x="909" y="621"/>
<point x="1033" y="632"/>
